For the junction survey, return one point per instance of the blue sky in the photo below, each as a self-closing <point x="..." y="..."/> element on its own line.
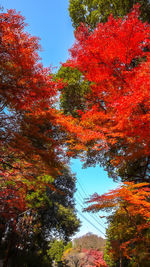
<point x="49" y="20"/>
<point x="89" y="181"/>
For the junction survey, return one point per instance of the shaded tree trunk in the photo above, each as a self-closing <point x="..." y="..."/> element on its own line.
<point x="6" y="258"/>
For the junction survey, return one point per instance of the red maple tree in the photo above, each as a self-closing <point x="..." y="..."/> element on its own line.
<point x="31" y="140"/>
<point x="93" y="258"/>
<point x="115" y="59"/>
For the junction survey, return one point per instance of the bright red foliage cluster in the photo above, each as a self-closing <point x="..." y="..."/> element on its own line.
<point x="115" y="59"/>
<point x="93" y="258"/>
<point x="24" y="81"/>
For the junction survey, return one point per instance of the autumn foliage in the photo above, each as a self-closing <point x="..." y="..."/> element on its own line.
<point x="93" y="258"/>
<point x="31" y="139"/>
<point x="114" y="65"/>
<point x="24" y="81"/>
<point x="131" y="198"/>
<point x="131" y="208"/>
<point x="115" y="59"/>
<point x="84" y="257"/>
<point x="20" y="78"/>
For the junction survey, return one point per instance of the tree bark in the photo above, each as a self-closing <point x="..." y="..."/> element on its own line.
<point x="6" y="258"/>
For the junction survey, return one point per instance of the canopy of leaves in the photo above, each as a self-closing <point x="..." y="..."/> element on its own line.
<point x="32" y="203"/>
<point x="56" y="250"/>
<point x="116" y="117"/>
<point x="92" y="12"/>
<point x="129" y="225"/>
<point x="51" y="214"/>
<point x="72" y="97"/>
<point x="28" y="141"/>
<point x="119" y="232"/>
<point x="57" y="215"/>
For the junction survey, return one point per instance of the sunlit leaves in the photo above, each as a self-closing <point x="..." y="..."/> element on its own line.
<point x="114" y="58"/>
<point x="131" y="212"/>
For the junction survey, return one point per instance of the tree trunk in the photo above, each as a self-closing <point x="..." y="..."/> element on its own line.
<point x="6" y="258"/>
<point x="120" y="259"/>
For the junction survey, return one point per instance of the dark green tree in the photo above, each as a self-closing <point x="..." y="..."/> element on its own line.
<point x="73" y="95"/>
<point x="55" y="251"/>
<point x="92" y="12"/>
<point x="58" y="215"/>
<point x="51" y="215"/>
